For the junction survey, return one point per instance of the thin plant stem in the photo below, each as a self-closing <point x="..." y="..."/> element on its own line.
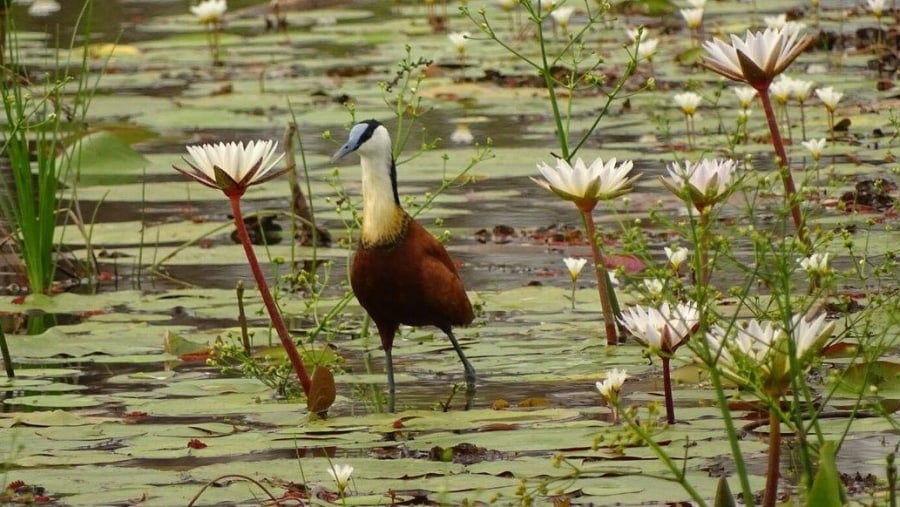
<point x="663" y="455"/>
<point x="790" y="189"/>
<point x="803" y="120"/>
<point x="609" y="320"/>
<point x="704" y="248"/>
<point x="667" y="387"/>
<point x="7" y="358"/>
<point x="277" y="321"/>
<point x="831" y="124"/>
<point x="771" y="493"/>
<point x="573" y="294"/>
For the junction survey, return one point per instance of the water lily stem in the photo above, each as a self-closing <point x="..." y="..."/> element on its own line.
<point x="790" y="189"/>
<point x="667" y="387"/>
<point x="277" y="321"/>
<point x="609" y="320"/>
<point x="771" y="493"/>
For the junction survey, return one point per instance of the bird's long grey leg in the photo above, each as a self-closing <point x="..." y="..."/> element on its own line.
<point x="470" y="371"/>
<point x="389" y="365"/>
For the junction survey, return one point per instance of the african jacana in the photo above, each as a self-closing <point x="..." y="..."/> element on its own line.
<point x="401" y="274"/>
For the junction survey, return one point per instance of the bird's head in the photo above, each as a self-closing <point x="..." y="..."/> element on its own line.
<point x="370" y="139"/>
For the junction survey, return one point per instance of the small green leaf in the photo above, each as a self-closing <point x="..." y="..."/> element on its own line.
<point x="826" y="490"/>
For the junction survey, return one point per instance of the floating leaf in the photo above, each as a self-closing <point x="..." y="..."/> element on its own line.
<point x="321" y="391"/>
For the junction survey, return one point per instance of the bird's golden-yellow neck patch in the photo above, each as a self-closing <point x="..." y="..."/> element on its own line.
<point x="384" y="221"/>
<point x="386" y="231"/>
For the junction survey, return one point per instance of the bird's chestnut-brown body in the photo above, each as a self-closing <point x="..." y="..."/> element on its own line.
<point x="412" y="282"/>
<point x="401" y="274"/>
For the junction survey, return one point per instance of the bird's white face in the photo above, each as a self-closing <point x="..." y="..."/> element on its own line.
<point x="368" y="139"/>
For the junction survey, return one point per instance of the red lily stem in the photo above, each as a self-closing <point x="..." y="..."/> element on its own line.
<point x="277" y="321"/>
<point x="790" y="190"/>
<point x="771" y="493"/>
<point x="667" y="387"/>
<point x="609" y="320"/>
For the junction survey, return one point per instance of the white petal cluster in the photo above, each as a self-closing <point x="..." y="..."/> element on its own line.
<point x="40" y="8"/>
<point x="574" y="265"/>
<point x="587" y="184"/>
<point x="815" y="147"/>
<point x="817" y="264"/>
<point x="757" y="58"/>
<point x="704" y="183"/>
<point x="341" y="475"/>
<point x="758" y="352"/>
<point x="611" y="386"/>
<point x="662" y="329"/>
<point x="829" y="97"/>
<point x="693" y="18"/>
<point x="876" y="6"/>
<point x="459" y="40"/>
<point x="688" y="102"/>
<point x="210" y="12"/>
<point x="562" y="15"/>
<point x="676" y="256"/>
<point x="241" y="165"/>
<point x="745" y="96"/>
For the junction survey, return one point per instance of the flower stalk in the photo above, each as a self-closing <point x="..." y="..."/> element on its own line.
<point x="271" y="307"/>
<point x="667" y="387"/>
<point x="609" y="319"/>
<point x="787" y="179"/>
<point x="772" y="470"/>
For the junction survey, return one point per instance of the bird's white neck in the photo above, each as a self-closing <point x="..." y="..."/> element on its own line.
<point x="383" y="218"/>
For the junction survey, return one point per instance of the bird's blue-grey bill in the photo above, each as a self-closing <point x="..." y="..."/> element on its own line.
<point x="345" y="149"/>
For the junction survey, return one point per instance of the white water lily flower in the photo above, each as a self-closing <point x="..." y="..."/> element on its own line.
<point x="758" y="353"/>
<point x="800" y="89"/>
<point x="688" y="102"/>
<point x="462" y="134"/>
<point x="611" y="386"/>
<point x="562" y="15"/>
<point x="210" y="12"/>
<point x="829" y="97"/>
<point x="815" y="147"/>
<point x="704" y="183"/>
<point x="42" y="8"/>
<point x="693" y="18"/>
<point x="662" y="330"/>
<point x="877" y="7"/>
<point x="586" y="185"/>
<point x="634" y="33"/>
<point x="781" y="89"/>
<point x="647" y="49"/>
<point x="232" y="167"/>
<point x="810" y="334"/>
<point x="775" y="22"/>
<point x="574" y="265"/>
<point x="757" y="58"/>
<point x="676" y="256"/>
<point x="654" y="286"/>
<point x="459" y="40"/>
<point x="341" y="475"/>
<point x="745" y="95"/>
<point x="816" y="264"/>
